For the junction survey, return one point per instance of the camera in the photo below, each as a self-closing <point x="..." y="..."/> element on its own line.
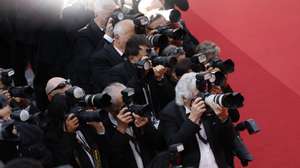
<point x="239" y="148"/>
<point x="20" y="115"/>
<point x="144" y="65"/>
<point x="249" y="125"/>
<point x="117" y="16"/>
<point x="128" y="95"/>
<point x="75" y="92"/>
<point x="140" y="22"/>
<point x="198" y="58"/>
<point x="6" y="76"/>
<point x="225" y="67"/>
<point x="7" y="131"/>
<point x="174" y="151"/>
<point x="167" y="61"/>
<point x="86" y="116"/>
<point x="99" y="100"/>
<point x="176" y="34"/>
<point x="229" y="100"/>
<point x="21" y="91"/>
<point x="203" y="79"/>
<point x="158" y="40"/>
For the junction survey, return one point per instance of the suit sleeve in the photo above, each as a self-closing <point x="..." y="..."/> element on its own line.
<point x="172" y="131"/>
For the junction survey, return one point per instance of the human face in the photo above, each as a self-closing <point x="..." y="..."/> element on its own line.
<point x="143" y="52"/>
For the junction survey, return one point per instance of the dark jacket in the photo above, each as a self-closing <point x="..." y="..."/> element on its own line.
<point x="89" y="40"/>
<point x="119" y="151"/>
<point x="101" y="63"/>
<point x="161" y="92"/>
<point x="65" y="147"/>
<point x="176" y="128"/>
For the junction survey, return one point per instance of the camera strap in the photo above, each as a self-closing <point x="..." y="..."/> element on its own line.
<point x="94" y="157"/>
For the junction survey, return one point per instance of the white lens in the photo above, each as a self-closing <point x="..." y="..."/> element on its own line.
<point x="24" y="115"/>
<point x="78" y="93"/>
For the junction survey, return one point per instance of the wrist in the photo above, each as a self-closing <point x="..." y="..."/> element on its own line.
<point x="195" y="120"/>
<point x="121" y="129"/>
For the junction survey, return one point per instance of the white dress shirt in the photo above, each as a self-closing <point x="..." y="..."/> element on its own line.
<point x="106" y="37"/>
<point x="119" y="51"/>
<point x="207" y="158"/>
<point x="129" y="131"/>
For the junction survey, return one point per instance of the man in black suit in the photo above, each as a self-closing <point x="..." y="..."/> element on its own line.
<point x="130" y="137"/>
<point x="71" y="141"/>
<point x="150" y="85"/>
<point x="111" y="54"/>
<point x="90" y="39"/>
<point x="207" y="139"/>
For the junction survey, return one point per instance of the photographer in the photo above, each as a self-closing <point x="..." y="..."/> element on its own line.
<point x="20" y="139"/>
<point x="206" y="138"/>
<point x="70" y="140"/>
<point x="91" y="39"/>
<point x="111" y="54"/>
<point x="130" y="136"/>
<point x="149" y="83"/>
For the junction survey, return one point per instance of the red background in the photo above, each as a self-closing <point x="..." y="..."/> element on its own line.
<point x="262" y="37"/>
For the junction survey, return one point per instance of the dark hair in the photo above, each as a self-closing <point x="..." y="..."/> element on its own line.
<point x="23" y="163"/>
<point x="183" y="67"/>
<point x="134" y="43"/>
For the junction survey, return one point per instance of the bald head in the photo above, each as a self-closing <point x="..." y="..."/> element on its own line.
<point x="56" y="85"/>
<point x="123" y="31"/>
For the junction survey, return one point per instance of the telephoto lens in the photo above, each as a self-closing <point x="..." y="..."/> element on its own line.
<point x="75" y="92"/>
<point x="117" y="16"/>
<point x="21" y="91"/>
<point x="20" y="115"/>
<point x="225" y="67"/>
<point x="158" y="40"/>
<point x="99" y="100"/>
<point x="229" y="100"/>
<point x="87" y="116"/>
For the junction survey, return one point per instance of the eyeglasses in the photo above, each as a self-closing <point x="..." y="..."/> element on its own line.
<point x="61" y="85"/>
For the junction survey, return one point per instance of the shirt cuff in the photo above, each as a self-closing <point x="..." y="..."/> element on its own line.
<point x="108" y="38"/>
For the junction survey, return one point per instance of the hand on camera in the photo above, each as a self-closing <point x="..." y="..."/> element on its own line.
<point x="109" y="28"/>
<point x="124" y="118"/>
<point x="197" y="110"/>
<point x="159" y="72"/>
<point x="71" y="124"/>
<point x="99" y="127"/>
<point x="5" y="113"/>
<point x="140" y="121"/>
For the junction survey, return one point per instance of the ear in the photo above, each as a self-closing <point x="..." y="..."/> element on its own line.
<point x="116" y="37"/>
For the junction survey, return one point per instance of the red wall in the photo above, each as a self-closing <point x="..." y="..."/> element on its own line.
<point x="261" y="36"/>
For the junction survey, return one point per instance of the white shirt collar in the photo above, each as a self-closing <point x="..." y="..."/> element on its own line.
<point x="119" y="51"/>
<point x="187" y="110"/>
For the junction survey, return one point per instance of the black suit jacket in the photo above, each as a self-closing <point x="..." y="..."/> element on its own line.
<point x="161" y="92"/>
<point x="64" y="146"/>
<point x="89" y="40"/>
<point x="101" y="63"/>
<point x="119" y="151"/>
<point x="177" y="128"/>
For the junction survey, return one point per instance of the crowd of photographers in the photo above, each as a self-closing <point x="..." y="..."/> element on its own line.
<point x="117" y="84"/>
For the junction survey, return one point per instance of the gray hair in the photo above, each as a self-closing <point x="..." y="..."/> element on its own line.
<point x="185" y="87"/>
<point x="103" y="5"/>
<point x="114" y="90"/>
<point x="123" y="27"/>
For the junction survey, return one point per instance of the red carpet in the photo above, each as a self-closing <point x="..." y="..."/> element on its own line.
<point x="262" y="38"/>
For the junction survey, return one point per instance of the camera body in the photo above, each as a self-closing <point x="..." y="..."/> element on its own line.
<point x="128" y="96"/>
